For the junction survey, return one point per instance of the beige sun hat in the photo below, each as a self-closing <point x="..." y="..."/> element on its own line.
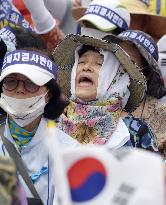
<point x="64" y="56"/>
<point x="148" y="49"/>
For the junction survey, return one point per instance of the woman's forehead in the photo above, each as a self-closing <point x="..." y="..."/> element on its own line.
<point x="91" y="53"/>
<point x="84" y="48"/>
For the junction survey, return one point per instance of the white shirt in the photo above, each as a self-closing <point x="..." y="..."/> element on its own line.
<point x="120" y="136"/>
<point x="35" y="156"/>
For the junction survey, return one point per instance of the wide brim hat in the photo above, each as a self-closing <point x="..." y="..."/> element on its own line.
<point x="143" y="51"/>
<point x="156" y="87"/>
<point x="64" y="56"/>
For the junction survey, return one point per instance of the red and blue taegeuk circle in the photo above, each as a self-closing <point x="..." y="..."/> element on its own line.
<point x="87" y="178"/>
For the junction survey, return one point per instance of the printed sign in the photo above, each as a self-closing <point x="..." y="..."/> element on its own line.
<point x="10" y="17"/>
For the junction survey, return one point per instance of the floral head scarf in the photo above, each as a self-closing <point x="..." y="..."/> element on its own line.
<point x="95" y="121"/>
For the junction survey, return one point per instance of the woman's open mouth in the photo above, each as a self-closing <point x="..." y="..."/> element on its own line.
<point x="85" y="81"/>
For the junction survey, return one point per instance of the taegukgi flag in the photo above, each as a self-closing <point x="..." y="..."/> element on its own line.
<point x="95" y="175"/>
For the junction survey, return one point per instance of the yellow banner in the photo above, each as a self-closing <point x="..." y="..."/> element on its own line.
<point x="157" y="7"/>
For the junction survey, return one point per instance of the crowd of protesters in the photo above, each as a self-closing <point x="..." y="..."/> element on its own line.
<point x="82" y="102"/>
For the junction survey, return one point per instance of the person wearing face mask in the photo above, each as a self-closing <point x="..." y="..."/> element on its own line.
<point x="145" y="15"/>
<point x="30" y="96"/>
<point x="104" y="81"/>
<point x="99" y="18"/>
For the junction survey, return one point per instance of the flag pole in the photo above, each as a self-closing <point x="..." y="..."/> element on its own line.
<point x="62" y="188"/>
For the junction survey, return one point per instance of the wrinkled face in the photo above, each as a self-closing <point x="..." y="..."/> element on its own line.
<point x="87" y="75"/>
<point x="17" y="86"/>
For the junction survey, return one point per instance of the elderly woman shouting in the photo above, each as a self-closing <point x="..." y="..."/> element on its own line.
<point x="30" y="96"/>
<point x="104" y="80"/>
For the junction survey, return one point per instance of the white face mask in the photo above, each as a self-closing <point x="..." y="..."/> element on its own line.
<point x="23" y="111"/>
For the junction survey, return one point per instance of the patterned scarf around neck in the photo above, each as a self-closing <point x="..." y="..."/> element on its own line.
<point x="91" y="123"/>
<point x="21" y="136"/>
<point x="95" y="121"/>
